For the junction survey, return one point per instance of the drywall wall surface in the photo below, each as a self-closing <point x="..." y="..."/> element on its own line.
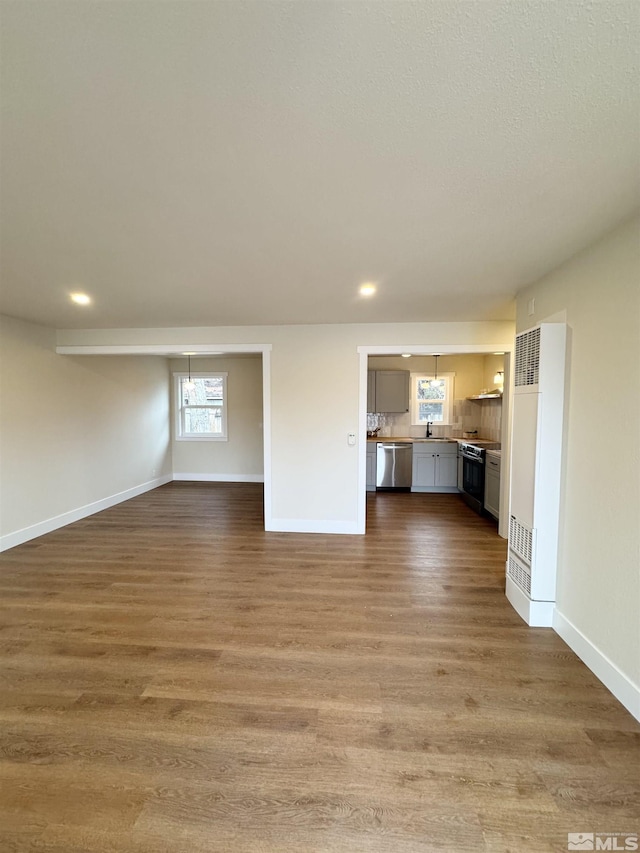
<point x="598" y="588"/>
<point x="74" y="430"/>
<point x="241" y="456"/>
<point x="361" y="334"/>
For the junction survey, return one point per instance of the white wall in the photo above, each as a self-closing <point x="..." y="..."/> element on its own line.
<point x="241" y="456"/>
<point x="598" y="590"/>
<point x="73" y="431"/>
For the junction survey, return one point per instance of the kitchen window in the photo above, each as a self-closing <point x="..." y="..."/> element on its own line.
<point x="431" y="399"/>
<point x="201" y="406"/>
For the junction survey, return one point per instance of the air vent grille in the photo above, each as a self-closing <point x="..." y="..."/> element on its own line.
<point x="527" y="370"/>
<point x="519" y="573"/>
<point x="520" y="539"/>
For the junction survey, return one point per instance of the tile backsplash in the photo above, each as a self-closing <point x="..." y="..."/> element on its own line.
<point x="485" y="417"/>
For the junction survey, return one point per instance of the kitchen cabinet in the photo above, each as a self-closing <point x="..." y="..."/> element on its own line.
<point x="372" y="448"/>
<point x="388" y="391"/>
<point x="435" y="466"/>
<point x="492" y="484"/>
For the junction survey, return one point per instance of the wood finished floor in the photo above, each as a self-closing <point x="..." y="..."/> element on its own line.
<point x="174" y="679"/>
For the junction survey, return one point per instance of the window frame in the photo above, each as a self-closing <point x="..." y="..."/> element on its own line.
<point x="180" y="408"/>
<point x="447" y="408"/>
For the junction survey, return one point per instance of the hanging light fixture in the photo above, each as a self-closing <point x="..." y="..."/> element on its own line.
<point x="189" y="385"/>
<point x="498" y="378"/>
<point x="435" y="382"/>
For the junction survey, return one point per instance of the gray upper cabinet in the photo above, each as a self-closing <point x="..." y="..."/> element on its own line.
<point x="388" y="391"/>
<point x="371" y="391"/>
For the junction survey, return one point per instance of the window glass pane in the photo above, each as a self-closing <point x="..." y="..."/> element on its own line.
<point x="203" y="421"/>
<point x="427" y="392"/>
<point x="430" y="412"/>
<point x="207" y="389"/>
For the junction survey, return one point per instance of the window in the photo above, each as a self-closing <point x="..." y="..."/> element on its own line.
<point x="431" y="403"/>
<point x="201" y="406"/>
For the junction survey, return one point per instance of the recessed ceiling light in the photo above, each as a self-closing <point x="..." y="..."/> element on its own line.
<point x="367" y="289"/>
<point x="81" y="299"/>
<point x="188" y="353"/>
<point x="498" y="353"/>
<point x="406" y="355"/>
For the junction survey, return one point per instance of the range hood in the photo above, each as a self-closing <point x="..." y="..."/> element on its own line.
<point x="496" y="394"/>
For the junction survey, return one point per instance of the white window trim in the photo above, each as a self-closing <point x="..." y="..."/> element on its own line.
<point x="178" y="406"/>
<point x="448" y="402"/>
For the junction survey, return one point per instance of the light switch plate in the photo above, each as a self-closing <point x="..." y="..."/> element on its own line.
<point x="351" y="439"/>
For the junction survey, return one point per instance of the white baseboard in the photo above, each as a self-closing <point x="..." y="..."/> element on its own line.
<point x="220" y="478"/>
<point x="436" y="490"/>
<point x="537" y="614"/>
<point x="18" y="537"/>
<point x="613" y="678"/>
<point x="299" y="525"/>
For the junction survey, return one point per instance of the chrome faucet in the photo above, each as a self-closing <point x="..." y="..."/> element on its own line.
<point x="429" y="433"/>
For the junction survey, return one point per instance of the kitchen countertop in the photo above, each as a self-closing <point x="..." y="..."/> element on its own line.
<point x="410" y="440"/>
<point x="448" y="440"/>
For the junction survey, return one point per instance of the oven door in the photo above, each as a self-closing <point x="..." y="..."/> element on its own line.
<point x="473" y="482"/>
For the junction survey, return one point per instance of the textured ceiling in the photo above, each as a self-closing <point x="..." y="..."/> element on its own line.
<point x="223" y="163"/>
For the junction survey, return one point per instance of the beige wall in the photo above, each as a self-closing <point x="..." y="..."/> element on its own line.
<point x="74" y="431"/>
<point x="241" y="457"/>
<point x="598" y="588"/>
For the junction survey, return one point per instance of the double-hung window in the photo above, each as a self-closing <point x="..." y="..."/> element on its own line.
<point x="431" y="398"/>
<point x="201" y="406"/>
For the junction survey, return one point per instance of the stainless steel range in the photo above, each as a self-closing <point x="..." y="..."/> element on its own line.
<point x="473" y="468"/>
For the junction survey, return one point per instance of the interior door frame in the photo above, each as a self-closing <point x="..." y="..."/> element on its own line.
<point x="444" y="349"/>
<point x="171" y="350"/>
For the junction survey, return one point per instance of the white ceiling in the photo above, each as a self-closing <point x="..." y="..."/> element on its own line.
<point x="223" y="163"/>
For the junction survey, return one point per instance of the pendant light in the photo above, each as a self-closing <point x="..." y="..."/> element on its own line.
<point x="435" y="382"/>
<point x="498" y="378"/>
<point x="189" y="385"/>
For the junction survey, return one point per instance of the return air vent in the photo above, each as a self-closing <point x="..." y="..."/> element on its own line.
<point x="520" y="540"/>
<point x="519" y="573"/>
<point x="527" y="360"/>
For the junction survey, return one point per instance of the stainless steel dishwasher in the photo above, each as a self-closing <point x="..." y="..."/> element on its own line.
<point x="394" y="464"/>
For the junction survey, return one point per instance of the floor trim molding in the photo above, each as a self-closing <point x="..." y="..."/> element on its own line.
<point x="26" y="534"/>
<point x="537" y="614"/>
<point x="600" y="665"/>
<point x="312" y="525"/>
<point x="220" y="478"/>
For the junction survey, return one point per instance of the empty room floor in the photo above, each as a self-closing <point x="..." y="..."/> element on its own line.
<point x="175" y="680"/>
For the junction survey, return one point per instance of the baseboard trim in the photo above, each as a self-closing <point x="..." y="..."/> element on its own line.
<point x="604" y="669"/>
<point x="220" y="478"/>
<point x="26" y="534"/>
<point x="537" y="614"/>
<point x="436" y="490"/>
<point x="299" y="525"/>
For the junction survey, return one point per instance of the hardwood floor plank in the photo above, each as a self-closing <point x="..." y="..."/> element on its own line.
<point x="176" y="679"/>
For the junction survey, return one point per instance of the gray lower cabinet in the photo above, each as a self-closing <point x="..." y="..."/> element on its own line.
<point x="435" y="467"/>
<point x="388" y="391"/>
<point x="492" y="484"/>
<point x="372" y="448"/>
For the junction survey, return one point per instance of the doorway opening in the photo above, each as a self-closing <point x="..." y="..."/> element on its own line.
<point x="212" y="355"/>
<point x="466" y="371"/>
